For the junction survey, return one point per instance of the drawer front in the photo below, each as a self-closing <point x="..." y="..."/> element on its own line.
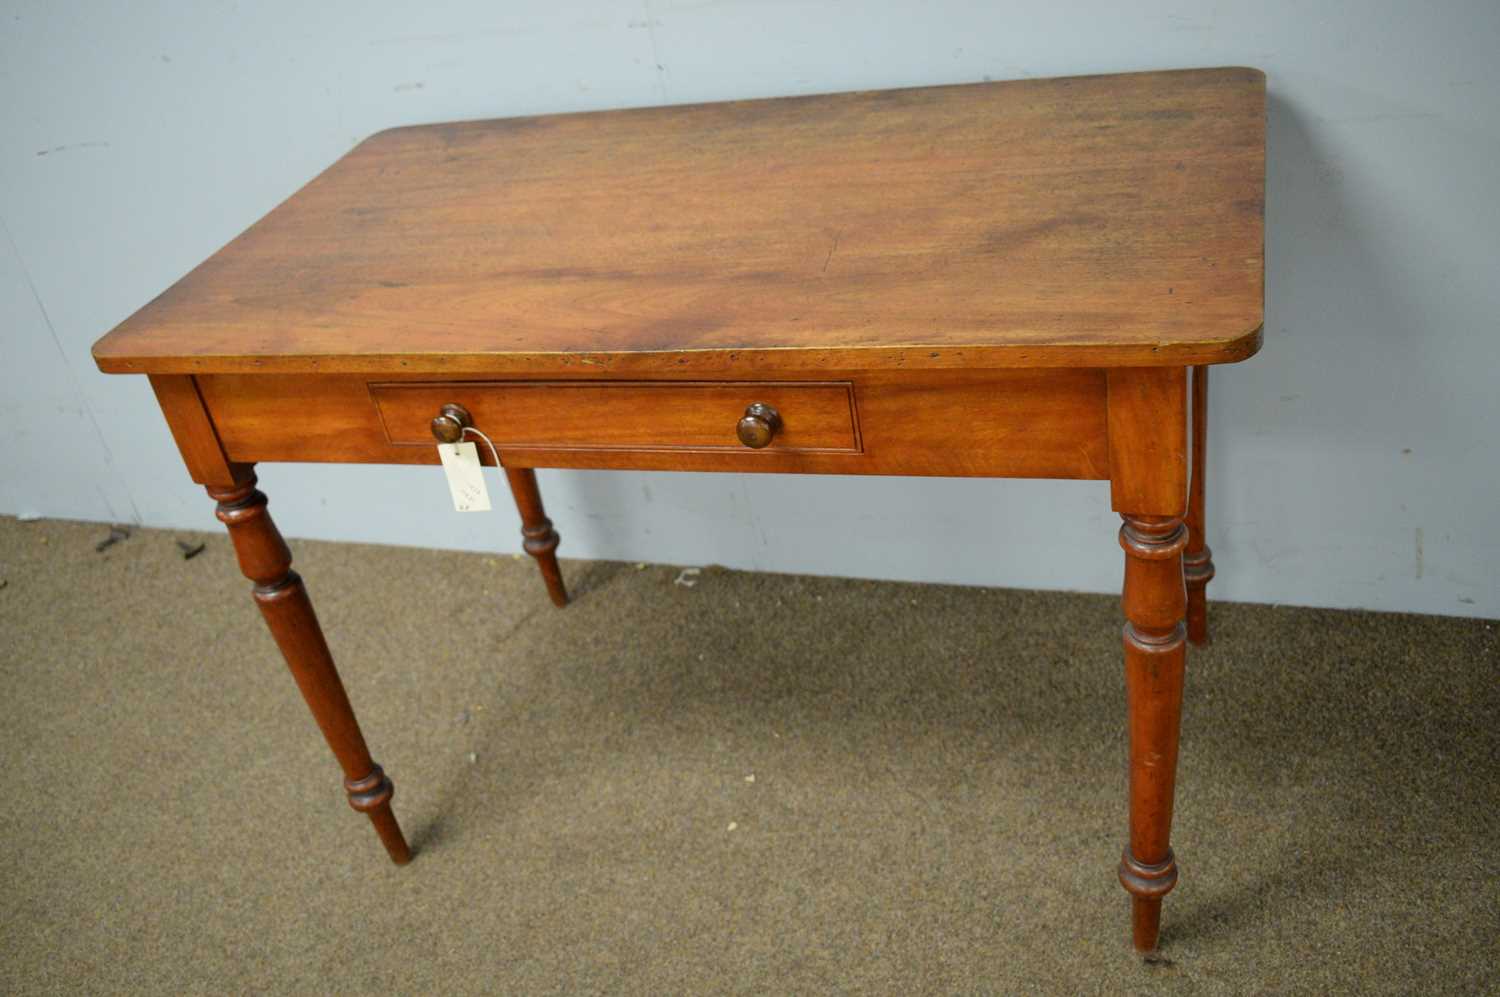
<point x="816" y="417"/>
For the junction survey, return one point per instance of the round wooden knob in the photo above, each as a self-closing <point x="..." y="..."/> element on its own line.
<point x="448" y="425"/>
<point x="760" y="424"/>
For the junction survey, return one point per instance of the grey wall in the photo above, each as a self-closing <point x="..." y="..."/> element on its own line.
<point x="1354" y="460"/>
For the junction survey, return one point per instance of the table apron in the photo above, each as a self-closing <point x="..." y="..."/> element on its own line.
<point x="1030" y="423"/>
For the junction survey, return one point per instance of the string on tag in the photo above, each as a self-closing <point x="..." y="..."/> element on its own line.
<point x="493" y="452"/>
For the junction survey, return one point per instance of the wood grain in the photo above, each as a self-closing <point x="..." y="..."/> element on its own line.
<point x="997" y="280"/>
<point x="1148" y="421"/>
<point x="623" y="415"/>
<point x="1021" y="423"/>
<point x="538" y="538"/>
<point x="194" y="433"/>
<point x="1197" y="558"/>
<point x="1148" y="440"/>
<point x="1094" y="221"/>
<point x="1155" y="643"/>
<point x="266" y="560"/>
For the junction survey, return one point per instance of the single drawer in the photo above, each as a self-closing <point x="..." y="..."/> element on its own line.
<point x="815" y="416"/>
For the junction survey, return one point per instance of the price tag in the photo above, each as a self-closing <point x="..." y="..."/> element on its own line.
<point x="465" y="476"/>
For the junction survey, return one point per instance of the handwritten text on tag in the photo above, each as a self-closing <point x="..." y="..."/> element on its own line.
<point x="465" y="476"/>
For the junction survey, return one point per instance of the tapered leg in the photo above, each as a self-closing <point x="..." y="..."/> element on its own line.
<point x="266" y="560"/>
<point x="1155" y="601"/>
<point x="1197" y="560"/>
<point x="537" y="535"/>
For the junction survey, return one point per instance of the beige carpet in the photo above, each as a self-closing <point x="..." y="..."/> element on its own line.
<point x="759" y="784"/>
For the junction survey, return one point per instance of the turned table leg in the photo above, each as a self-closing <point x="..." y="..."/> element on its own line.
<point x="1154" y="601"/>
<point x="537" y="535"/>
<point x="1197" y="560"/>
<point x="265" y="559"/>
<point x="1148" y="439"/>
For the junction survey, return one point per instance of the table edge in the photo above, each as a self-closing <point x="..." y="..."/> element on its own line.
<point x="760" y="361"/>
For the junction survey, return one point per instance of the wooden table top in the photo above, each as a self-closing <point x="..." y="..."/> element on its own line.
<point x="1093" y="221"/>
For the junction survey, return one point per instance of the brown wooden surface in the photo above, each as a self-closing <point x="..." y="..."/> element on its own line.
<point x="1001" y="280"/>
<point x="1148" y="419"/>
<point x="267" y="561"/>
<point x="623" y="415"/>
<point x="1020" y="423"/>
<point x="193" y="431"/>
<point x="538" y="538"/>
<point x="1148" y="440"/>
<point x="1198" y="559"/>
<point x="1093" y="221"/>
<point x="1155" y="643"/>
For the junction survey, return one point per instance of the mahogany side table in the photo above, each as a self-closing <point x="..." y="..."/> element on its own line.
<point x="989" y="280"/>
